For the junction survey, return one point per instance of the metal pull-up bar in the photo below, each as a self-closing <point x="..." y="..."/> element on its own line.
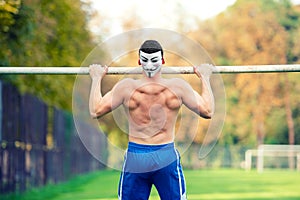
<point x="165" y="70"/>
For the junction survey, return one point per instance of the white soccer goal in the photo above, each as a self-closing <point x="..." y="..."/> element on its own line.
<point x="290" y="152"/>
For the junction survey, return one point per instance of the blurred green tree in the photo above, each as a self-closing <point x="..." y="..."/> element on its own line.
<point x="46" y="33"/>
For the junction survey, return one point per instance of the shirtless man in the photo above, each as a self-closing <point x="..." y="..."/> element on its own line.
<point x="151" y="105"/>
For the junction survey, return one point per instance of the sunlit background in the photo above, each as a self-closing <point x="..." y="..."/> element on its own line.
<point x="116" y="16"/>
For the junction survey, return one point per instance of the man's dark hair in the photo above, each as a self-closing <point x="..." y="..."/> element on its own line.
<point x="151" y="46"/>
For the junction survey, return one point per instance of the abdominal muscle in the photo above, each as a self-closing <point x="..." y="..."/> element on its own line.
<point x="152" y="112"/>
<point x="151" y="133"/>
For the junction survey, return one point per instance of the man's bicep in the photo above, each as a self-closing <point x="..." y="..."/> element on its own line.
<point x="104" y="106"/>
<point x="121" y="91"/>
<point x="192" y="99"/>
<point x="186" y="93"/>
<point x="117" y="96"/>
<point x="109" y="102"/>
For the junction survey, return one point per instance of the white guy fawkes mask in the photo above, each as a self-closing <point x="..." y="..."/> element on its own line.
<point x="151" y="62"/>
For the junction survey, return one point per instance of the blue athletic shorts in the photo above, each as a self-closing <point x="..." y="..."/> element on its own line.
<point x="147" y="165"/>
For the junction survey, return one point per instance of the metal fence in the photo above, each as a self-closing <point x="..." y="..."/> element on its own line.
<point x="38" y="144"/>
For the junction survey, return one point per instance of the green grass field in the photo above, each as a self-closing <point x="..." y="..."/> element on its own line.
<point x="201" y="184"/>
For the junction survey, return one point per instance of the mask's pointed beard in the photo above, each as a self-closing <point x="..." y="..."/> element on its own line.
<point x="149" y="74"/>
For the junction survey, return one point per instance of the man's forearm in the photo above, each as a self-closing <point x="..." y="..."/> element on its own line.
<point x="207" y="94"/>
<point x="95" y="96"/>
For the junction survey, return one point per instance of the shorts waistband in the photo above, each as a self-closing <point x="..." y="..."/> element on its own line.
<point x="149" y="147"/>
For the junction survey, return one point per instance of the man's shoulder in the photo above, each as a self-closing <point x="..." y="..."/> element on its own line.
<point x="127" y="83"/>
<point x="176" y="82"/>
<point x="177" y="85"/>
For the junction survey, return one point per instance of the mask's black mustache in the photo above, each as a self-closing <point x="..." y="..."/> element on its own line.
<point x="151" y="70"/>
